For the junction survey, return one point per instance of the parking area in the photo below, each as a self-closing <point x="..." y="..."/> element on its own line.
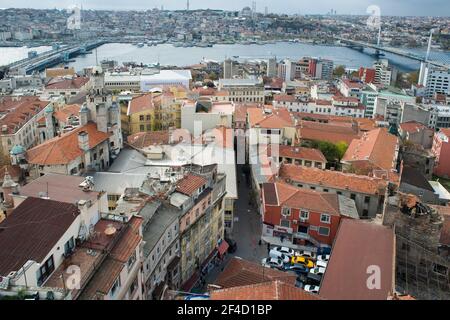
<point x="309" y="266"/>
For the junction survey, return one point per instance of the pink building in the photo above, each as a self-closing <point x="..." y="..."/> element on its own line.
<point x="441" y="149"/>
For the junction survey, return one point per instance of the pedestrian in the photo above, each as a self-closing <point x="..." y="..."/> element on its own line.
<point x="268" y="247"/>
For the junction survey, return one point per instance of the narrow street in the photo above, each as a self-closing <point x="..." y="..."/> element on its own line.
<point x="246" y="230"/>
<point x="247" y="225"/>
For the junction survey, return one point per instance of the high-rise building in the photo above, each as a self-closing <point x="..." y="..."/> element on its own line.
<point x="272" y="67"/>
<point x="321" y="68"/>
<point x="434" y="79"/>
<point x="230" y="69"/>
<point x="384" y="74"/>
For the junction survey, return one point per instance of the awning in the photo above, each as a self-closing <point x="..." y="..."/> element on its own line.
<point x="223" y="247"/>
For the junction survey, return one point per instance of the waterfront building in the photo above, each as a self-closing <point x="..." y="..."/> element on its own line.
<point x="243" y="90"/>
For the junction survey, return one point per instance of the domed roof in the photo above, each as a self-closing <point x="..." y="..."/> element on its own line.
<point x="49" y="109"/>
<point x="17" y="149"/>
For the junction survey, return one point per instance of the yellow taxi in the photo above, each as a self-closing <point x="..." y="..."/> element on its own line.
<point x="302" y="260"/>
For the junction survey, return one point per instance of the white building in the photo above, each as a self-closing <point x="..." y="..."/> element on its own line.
<point x="435" y="80"/>
<point x="207" y="113"/>
<point x="243" y="90"/>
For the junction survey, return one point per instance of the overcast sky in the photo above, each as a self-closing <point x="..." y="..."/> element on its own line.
<point x="388" y="7"/>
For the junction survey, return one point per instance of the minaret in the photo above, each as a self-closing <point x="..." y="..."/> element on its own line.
<point x="187" y="5"/>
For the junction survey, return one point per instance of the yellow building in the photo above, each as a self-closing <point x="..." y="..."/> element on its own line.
<point x="169" y="112"/>
<point x="153" y="111"/>
<point x="138" y="114"/>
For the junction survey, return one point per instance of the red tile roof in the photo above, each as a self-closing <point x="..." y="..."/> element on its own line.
<point x="298" y="198"/>
<point x="67" y="111"/>
<point x="360" y="248"/>
<point x="190" y="183"/>
<point x="64" y="149"/>
<point x="299" y="153"/>
<point x="67" y="84"/>
<point x="16" y="113"/>
<point x="277" y="119"/>
<point x="146" y="139"/>
<point x="143" y="103"/>
<point x="272" y="290"/>
<point x="129" y="240"/>
<point x="333" y="179"/>
<point x="375" y="149"/>
<point x="412" y="126"/>
<point x="240" y="272"/>
<point x="334" y="133"/>
<point x="32" y="230"/>
<point x="284" y="98"/>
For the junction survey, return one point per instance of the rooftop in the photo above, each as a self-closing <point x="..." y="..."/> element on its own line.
<point x="64" y="149"/>
<point x="270" y="290"/>
<point x="370" y="246"/>
<point x="58" y="187"/>
<point x="334" y="179"/>
<point x="32" y="230"/>
<point x="240" y="272"/>
<point x="67" y="84"/>
<point x="377" y="148"/>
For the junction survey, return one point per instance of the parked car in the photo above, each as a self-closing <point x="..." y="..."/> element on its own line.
<point x="302" y="260"/>
<point x="306" y="253"/>
<point x="321" y="264"/>
<point x="278" y="255"/>
<point x="323" y="257"/>
<point x="324" y="250"/>
<point x="311" y="289"/>
<point x="299" y="283"/>
<point x="318" y="270"/>
<point x="299" y="268"/>
<point x="313" y="279"/>
<point x="232" y="246"/>
<point x="272" y="263"/>
<point x="285" y="250"/>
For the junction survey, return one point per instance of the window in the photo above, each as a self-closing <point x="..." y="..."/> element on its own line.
<point x="141" y="118"/>
<point x="323" y="231"/>
<point x="141" y="127"/>
<point x="304" y="215"/>
<point x="353" y="196"/>
<point x="148" y="117"/>
<point x="115" y="286"/>
<point x="285" y="223"/>
<point x="325" y="218"/>
<point x="286" y="211"/>
<point x="366" y="199"/>
<point x="131" y="261"/>
<point x="133" y="286"/>
<point x="365" y="213"/>
<point x="45" y="270"/>
<point x="68" y="246"/>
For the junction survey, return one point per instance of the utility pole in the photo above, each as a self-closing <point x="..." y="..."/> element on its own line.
<point x="187" y="5"/>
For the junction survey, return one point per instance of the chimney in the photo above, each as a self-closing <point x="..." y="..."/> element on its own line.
<point x="83" y="140"/>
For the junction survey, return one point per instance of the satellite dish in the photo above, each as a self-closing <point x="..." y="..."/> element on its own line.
<point x="110" y="230"/>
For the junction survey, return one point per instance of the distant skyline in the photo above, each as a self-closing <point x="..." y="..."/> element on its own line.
<point x="388" y="7"/>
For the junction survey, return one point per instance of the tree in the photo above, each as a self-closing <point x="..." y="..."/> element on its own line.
<point x="213" y="76"/>
<point x="339" y="71"/>
<point x="341" y="148"/>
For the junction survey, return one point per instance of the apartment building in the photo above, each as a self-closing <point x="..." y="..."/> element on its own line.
<point x="19" y="123"/>
<point x="367" y="192"/>
<point x="243" y="90"/>
<point x="441" y="150"/>
<point x="302" y="217"/>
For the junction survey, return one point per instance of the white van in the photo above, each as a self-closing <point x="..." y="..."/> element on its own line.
<point x="277" y="254"/>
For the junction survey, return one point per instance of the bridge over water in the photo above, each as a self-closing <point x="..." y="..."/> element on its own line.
<point x="399" y="52"/>
<point x="51" y="58"/>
